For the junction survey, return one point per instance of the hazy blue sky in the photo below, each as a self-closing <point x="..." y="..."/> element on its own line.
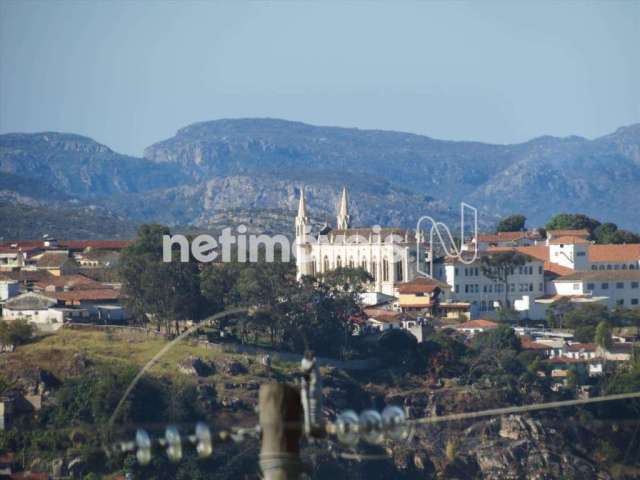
<point x="131" y="73"/>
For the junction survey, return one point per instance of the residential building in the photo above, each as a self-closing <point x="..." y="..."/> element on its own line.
<point x="474" y="327"/>
<point x="57" y="263"/>
<point x="422" y="294"/>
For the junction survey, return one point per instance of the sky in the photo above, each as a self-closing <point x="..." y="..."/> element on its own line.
<point x="130" y="73"/>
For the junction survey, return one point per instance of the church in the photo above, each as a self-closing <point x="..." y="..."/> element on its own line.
<point x="388" y="254"/>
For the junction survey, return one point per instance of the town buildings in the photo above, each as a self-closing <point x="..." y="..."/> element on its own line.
<point x="48" y="282"/>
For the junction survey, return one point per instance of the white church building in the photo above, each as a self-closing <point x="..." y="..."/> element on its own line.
<point x="388" y="254"/>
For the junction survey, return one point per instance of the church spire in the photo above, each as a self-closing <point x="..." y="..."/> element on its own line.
<point x="302" y="206"/>
<point x="302" y="220"/>
<point x="344" y="219"/>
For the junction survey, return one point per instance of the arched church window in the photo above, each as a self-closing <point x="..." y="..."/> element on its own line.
<point x="374" y="269"/>
<point x="385" y="270"/>
<point x="326" y="264"/>
<point x="351" y="263"/>
<point x="338" y="262"/>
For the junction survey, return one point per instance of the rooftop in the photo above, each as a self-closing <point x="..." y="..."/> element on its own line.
<point x="601" y="275"/>
<point x="29" y="301"/>
<point x="421" y="285"/>
<point x="629" y="252"/>
<point x="481" y="323"/>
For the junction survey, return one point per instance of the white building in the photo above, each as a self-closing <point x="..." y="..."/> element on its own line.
<point x="469" y="284"/>
<point x="388" y="254"/>
<point x="619" y="287"/>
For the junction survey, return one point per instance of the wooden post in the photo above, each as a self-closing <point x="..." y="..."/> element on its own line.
<point x="281" y="421"/>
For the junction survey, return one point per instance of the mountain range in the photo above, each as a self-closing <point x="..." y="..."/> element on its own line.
<point x="226" y="172"/>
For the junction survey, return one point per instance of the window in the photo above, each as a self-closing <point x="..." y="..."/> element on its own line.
<point x="580" y="254"/>
<point x="620" y="285"/>
<point x="634" y="284"/>
<point x="604" y="286"/>
<point x="374" y="269"/>
<point x="576" y="286"/>
<point x="632" y="267"/>
<point x="399" y="272"/>
<point x="601" y="267"/>
<point x="457" y="288"/>
<point x="608" y="267"/>
<point x="634" y="301"/>
<point x="594" y="267"/>
<point x="385" y="270"/>
<point x="326" y="264"/>
<point x="338" y="262"/>
<point x="531" y="287"/>
<point x="466" y="289"/>
<point x="540" y="269"/>
<point x="540" y="287"/>
<point x="620" y="302"/>
<point x="591" y="286"/>
<point x="616" y="267"/>
<point x="351" y="263"/>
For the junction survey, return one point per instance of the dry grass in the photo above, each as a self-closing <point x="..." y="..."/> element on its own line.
<point x="56" y="352"/>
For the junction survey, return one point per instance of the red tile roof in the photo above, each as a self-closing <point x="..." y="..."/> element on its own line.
<point x="529" y="344"/>
<point x="477" y="324"/>
<point x="421" y="285"/>
<point x="75" y="282"/>
<point x="569" y="240"/>
<point x="382" y="315"/>
<point x="579" y="347"/>
<point x="629" y="252"/>
<point x="103" y="294"/>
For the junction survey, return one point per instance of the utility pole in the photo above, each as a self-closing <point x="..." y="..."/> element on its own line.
<point x="281" y="422"/>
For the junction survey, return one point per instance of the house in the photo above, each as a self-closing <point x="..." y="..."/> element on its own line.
<point x="381" y="320"/>
<point x="67" y="282"/>
<point x="455" y="310"/>
<point x="26" y="278"/>
<point x="97" y="258"/>
<point x="57" y="263"/>
<point x="30" y="306"/>
<point x="528" y="343"/>
<point x="473" y="327"/>
<point x="421" y="294"/>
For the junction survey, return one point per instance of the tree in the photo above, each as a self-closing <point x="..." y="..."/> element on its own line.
<point x="16" y="332"/>
<point x="500" y="266"/>
<point x="557" y="310"/>
<point x="603" y="335"/>
<point x="165" y="292"/>
<point x="609" y="233"/>
<point x="512" y="223"/>
<point x="570" y="221"/>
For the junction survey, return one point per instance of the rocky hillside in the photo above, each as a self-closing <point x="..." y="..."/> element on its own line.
<point x="210" y="171"/>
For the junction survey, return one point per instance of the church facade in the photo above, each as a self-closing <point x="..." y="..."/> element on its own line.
<point x="389" y="255"/>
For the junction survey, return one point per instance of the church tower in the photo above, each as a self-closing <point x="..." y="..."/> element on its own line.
<point x="303" y="226"/>
<point x="344" y="219"/>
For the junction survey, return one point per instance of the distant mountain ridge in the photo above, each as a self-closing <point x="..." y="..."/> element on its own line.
<point x="213" y="173"/>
